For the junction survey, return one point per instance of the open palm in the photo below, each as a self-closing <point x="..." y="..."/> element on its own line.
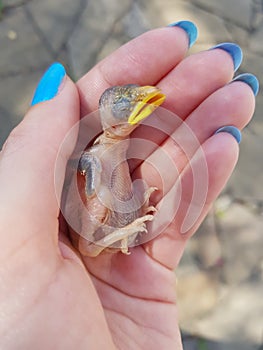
<point x="52" y="298"/>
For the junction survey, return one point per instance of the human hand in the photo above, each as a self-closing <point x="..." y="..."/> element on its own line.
<point x="51" y="297"/>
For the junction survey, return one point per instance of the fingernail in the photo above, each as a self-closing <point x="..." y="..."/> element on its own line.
<point x="49" y="84"/>
<point x="190" y="29"/>
<point x="250" y="79"/>
<point x="232" y="130"/>
<point x="233" y="50"/>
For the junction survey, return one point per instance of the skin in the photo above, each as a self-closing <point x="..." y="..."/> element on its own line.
<point x="49" y="297"/>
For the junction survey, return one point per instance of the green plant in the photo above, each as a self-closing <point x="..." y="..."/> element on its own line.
<point x="202" y="344"/>
<point x="1" y="9"/>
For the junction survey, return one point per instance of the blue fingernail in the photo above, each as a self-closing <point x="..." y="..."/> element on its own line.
<point x="234" y="51"/>
<point x="190" y="29"/>
<point x="235" y="132"/>
<point x="250" y="80"/>
<point x="49" y="83"/>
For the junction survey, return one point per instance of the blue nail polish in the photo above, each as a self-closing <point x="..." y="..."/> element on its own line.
<point x="234" y="51"/>
<point x="49" y="83"/>
<point x="190" y="29"/>
<point x="232" y="130"/>
<point x="250" y="79"/>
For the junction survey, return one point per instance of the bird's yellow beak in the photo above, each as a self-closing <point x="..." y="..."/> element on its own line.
<point x="149" y="98"/>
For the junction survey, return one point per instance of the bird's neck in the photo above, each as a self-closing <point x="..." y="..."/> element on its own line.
<point x="106" y="138"/>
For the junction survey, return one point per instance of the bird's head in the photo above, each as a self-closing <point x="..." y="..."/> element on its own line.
<point x="122" y="108"/>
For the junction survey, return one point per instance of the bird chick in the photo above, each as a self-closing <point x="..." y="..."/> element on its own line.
<point x="113" y="218"/>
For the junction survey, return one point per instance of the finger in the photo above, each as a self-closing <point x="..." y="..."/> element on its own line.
<point x="29" y="206"/>
<point x="144" y="60"/>
<point x="164" y="163"/>
<point x="220" y="153"/>
<point x="233" y="104"/>
<point x="188" y="85"/>
<point x="198" y="76"/>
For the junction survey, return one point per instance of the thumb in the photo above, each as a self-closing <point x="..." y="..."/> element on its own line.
<point x="28" y="201"/>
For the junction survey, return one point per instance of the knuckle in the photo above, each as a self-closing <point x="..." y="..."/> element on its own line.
<point x="15" y="141"/>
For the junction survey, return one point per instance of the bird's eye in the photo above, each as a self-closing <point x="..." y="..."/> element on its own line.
<point x="121" y="107"/>
<point x="122" y="103"/>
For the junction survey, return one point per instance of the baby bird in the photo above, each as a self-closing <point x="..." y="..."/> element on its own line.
<point x="115" y="212"/>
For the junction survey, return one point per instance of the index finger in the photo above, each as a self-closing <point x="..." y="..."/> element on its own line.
<point x="144" y="61"/>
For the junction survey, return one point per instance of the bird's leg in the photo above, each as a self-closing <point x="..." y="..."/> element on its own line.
<point x="121" y="234"/>
<point x="147" y="194"/>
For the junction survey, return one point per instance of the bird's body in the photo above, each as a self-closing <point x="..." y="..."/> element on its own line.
<point x="116" y="211"/>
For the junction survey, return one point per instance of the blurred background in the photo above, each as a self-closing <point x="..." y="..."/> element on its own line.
<point x="220" y="279"/>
